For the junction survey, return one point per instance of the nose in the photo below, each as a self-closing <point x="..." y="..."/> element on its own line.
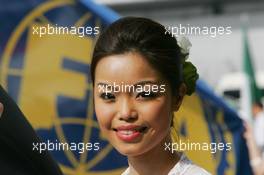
<point x="127" y="111"/>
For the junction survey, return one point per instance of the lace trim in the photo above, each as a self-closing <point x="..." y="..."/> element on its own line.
<point x="181" y="167"/>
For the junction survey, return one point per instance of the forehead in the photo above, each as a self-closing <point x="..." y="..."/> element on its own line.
<point x="128" y="67"/>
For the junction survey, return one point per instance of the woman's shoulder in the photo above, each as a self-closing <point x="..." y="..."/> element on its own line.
<point x="190" y="170"/>
<point x="184" y="167"/>
<point x="196" y="170"/>
<point x="187" y="167"/>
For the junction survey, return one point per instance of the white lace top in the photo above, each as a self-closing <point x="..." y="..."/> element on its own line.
<point x="183" y="167"/>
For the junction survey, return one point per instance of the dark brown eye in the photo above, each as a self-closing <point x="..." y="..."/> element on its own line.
<point x="146" y="94"/>
<point x="107" y="96"/>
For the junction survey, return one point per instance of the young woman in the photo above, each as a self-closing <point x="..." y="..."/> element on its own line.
<point x="140" y="77"/>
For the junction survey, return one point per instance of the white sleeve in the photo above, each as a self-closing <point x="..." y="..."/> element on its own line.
<point x="196" y="170"/>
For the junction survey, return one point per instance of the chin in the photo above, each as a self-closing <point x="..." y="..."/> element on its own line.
<point x="130" y="150"/>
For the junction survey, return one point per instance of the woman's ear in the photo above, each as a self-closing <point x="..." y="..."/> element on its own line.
<point x="177" y="99"/>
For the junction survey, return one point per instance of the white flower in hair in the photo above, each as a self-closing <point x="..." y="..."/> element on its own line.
<point x="185" y="45"/>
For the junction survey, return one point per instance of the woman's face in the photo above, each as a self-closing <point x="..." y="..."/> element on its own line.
<point x="133" y="120"/>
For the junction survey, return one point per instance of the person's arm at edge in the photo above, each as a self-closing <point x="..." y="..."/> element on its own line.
<point x="17" y="137"/>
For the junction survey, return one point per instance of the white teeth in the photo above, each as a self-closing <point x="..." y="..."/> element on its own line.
<point x="126" y="132"/>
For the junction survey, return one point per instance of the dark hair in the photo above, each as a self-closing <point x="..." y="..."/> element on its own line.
<point x="148" y="38"/>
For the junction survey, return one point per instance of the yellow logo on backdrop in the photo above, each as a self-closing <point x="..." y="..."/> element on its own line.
<point x="45" y="78"/>
<point x="191" y="117"/>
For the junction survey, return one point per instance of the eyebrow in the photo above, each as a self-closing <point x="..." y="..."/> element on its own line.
<point x="102" y="84"/>
<point x="142" y="83"/>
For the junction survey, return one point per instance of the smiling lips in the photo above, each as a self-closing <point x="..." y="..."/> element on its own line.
<point x="130" y="132"/>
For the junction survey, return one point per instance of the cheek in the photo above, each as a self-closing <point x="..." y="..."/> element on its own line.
<point x="104" y="114"/>
<point x="157" y="114"/>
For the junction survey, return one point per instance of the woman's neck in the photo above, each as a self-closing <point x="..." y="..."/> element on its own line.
<point x="157" y="161"/>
